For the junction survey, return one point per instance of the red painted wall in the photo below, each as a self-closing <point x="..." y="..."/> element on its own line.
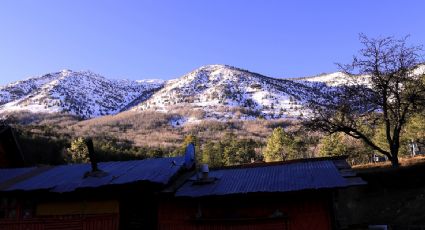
<point x="304" y="212"/>
<point x="78" y="222"/>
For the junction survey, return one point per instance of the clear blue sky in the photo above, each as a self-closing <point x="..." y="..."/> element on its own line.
<point x="166" y="39"/>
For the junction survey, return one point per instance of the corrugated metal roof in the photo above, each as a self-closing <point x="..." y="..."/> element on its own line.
<point x="7" y="174"/>
<point x="267" y="178"/>
<point x="66" y="178"/>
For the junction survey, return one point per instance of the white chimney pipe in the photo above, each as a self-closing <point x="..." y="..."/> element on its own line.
<point x="205" y="170"/>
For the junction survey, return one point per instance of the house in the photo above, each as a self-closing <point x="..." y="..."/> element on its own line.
<point x="284" y="195"/>
<point x="108" y="195"/>
<point x="10" y="153"/>
<point x="167" y="193"/>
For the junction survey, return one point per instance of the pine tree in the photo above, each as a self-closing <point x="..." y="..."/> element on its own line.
<point x="246" y="151"/>
<point x="415" y="129"/>
<point x="230" y="152"/>
<point x="279" y="146"/>
<point x="212" y="154"/>
<point x="333" y="145"/>
<point x="338" y="144"/>
<point x="78" y="152"/>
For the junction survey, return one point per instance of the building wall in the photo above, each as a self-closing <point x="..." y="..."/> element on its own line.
<point x="301" y="212"/>
<point x="85" y="215"/>
<point x="139" y="212"/>
<point x="64" y="222"/>
<point x="77" y="208"/>
<point x="125" y="207"/>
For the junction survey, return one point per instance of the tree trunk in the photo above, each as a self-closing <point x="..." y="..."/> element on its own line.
<point x="394" y="148"/>
<point x="394" y="160"/>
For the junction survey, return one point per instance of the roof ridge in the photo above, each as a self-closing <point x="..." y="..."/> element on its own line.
<point x="265" y="164"/>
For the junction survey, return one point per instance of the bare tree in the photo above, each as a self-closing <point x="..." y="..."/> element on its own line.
<point x="383" y="88"/>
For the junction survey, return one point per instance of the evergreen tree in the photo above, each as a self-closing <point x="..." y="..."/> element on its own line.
<point x="299" y="147"/>
<point x="231" y="150"/>
<point x="333" y="145"/>
<point x="338" y="144"/>
<point x="415" y="129"/>
<point x="279" y="146"/>
<point x="246" y="151"/>
<point x="212" y="154"/>
<point x="78" y="152"/>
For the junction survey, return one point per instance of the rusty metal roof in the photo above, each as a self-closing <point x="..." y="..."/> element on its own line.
<point x="67" y="178"/>
<point x="268" y="178"/>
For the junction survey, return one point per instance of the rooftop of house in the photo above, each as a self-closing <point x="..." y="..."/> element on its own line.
<point x="276" y="177"/>
<point x="68" y="178"/>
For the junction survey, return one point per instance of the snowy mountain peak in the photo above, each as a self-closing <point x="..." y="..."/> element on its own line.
<point x="221" y="91"/>
<point x="65" y="72"/>
<point x="84" y="94"/>
<point x="215" y="73"/>
<point x="214" y="67"/>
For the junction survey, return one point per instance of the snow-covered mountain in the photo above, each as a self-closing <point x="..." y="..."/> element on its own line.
<point x="340" y="78"/>
<point x="84" y="94"/>
<point x="220" y="90"/>
<point x="224" y="92"/>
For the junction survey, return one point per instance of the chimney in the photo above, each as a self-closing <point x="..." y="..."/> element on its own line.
<point x="205" y="170"/>
<point x="92" y="155"/>
<point x="203" y="177"/>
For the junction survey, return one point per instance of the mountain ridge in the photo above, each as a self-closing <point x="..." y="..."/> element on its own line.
<point x="82" y="93"/>
<point x="220" y="92"/>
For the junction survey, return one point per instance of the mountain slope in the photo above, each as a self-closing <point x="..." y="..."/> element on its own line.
<point x="217" y="89"/>
<point x="225" y="92"/>
<point x="84" y="94"/>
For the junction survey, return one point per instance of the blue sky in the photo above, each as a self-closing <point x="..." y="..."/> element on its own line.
<point x="166" y="39"/>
